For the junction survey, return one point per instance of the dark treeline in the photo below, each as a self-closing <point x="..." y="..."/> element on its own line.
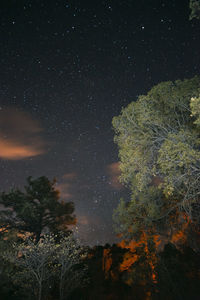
<point x="40" y="258"/>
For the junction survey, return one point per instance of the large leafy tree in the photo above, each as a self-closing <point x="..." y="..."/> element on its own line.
<point x="35" y="209"/>
<point x="159" y="151"/>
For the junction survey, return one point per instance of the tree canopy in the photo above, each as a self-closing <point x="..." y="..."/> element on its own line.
<point x="35" y="209"/>
<point x="52" y="261"/>
<point x="158" y="140"/>
<point x="195" y="9"/>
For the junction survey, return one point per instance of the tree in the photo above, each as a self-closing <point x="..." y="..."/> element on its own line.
<point x="195" y="109"/>
<point x="61" y="260"/>
<point x="35" y="263"/>
<point x="71" y="268"/>
<point x="177" y="273"/>
<point x="195" y="9"/>
<point x="36" y="209"/>
<point x="158" y="140"/>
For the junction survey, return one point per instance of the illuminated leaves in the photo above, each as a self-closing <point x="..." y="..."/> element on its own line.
<point x="195" y="109"/>
<point x="52" y="257"/>
<point x="158" y="144"/>
<point x="178" y="159"/>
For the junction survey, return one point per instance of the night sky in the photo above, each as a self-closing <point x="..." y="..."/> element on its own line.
<point x="67" y="68"/>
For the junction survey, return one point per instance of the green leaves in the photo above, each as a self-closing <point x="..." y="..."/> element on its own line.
<point x="195" y="109"/>
<point x="158" y="142"/>
<point x="178" y="156"/>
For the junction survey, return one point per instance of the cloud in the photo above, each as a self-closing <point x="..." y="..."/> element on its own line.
<point x="83" y="220"/>
<point x="114" y="173"/>
<point x="14" y="151"/>
<point x="88" y="220"/>
<point x="20" y="135"/>
<point x="87" y="227"/>
<point x="69" y="176"/>
<point x="65" y="186"/>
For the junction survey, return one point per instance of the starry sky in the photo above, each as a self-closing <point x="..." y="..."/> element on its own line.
<point x="67" y="68"/>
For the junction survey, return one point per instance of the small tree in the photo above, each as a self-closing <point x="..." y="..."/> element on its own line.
<point x="58" y="257"/>
<point x="35" y="262"/>
<point x="71" y="267"/>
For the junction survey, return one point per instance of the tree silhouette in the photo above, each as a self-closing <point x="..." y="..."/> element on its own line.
<point x="36" y="209"/>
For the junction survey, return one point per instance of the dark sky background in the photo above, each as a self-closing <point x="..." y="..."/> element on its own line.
<point x="67" y="68"/>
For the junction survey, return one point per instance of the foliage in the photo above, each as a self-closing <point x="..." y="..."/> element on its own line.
<point x="9" y="290"/>
<point x="158" y="140"/>
<point x="70" y="267"/>
<point x="136" y="271"/>
<point x="139" y="272"/>
<point x="195" y="9"/>
<point x="36" y="209"/>
<point x="178" y="274"/>
<point x="35" y="264"/>
<point x="195" y="109"/>
<point x="140" y="275"/>
<point x="49" y="260"/>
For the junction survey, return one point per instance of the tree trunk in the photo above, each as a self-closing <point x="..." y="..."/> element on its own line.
<point x="37" y="237"/>
<point x="40" y="291"/>
<point x="61" y="288"/>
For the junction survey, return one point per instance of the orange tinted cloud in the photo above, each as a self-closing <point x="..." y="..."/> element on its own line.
<point x="65" y="186"/>
<point x="86" y="227"/>
<point x="83" y="220"/>
<point x="114" y="172"/>
<point x="10" y="150"/>
<point x="20" y="135"/>
<point x="69" y="176"/>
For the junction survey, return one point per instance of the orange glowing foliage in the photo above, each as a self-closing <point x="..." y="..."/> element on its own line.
<point x="24" y="235"/>
<point x="131" y="257"/>
<point x="132" y="245"/>
<point x="90" y="255"/>
<point x="3" y="229"/>
<point x="148" y="296"/>
<point x="180" y="236"/>
<point x="107" y="262"/>
<point x="128" y="260"/>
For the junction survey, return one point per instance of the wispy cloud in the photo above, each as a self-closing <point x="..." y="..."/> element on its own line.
<point x="87" y="227"/>
<point x="114" y="173"/>
<point x="65" y="186"/>
<point x="13" y="150"/>
<point x="83" y="220"/>
<point x="20" y="135"/>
